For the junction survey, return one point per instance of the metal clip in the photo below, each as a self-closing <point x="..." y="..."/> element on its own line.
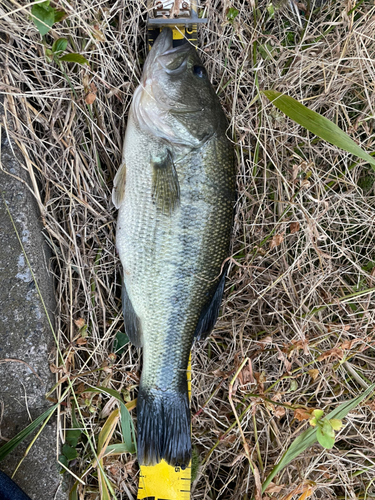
<point x="180" y="15"/>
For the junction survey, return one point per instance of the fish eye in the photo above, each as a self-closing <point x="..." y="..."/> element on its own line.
<point x="199" y="71"/>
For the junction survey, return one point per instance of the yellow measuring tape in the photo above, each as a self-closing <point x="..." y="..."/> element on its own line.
<point x="163" y="481"/>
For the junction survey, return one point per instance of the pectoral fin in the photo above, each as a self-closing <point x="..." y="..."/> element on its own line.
<point x="119" y="182"/>
<point x="165" y="185"/>
<point x="131" y="321"/>
<point x="210" y="313"/>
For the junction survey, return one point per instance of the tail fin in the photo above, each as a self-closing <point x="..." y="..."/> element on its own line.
<point x="163" y="421"/>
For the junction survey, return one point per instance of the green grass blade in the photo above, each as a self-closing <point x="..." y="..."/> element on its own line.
<point x="317" y="124"/>
<point x="308" y="437"/>
<point x="73" y="493"/>
<point x="14" y="442"/>
<point x="127" y="426"/>
<point x="116" y="449"/>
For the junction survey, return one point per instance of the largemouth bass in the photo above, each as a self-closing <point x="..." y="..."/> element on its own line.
<point x="175" y="192"/>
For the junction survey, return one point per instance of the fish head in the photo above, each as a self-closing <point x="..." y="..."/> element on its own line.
<point x="177" y="101"/>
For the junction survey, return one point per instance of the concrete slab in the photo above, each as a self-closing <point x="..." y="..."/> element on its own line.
<point x="25" y="334"/>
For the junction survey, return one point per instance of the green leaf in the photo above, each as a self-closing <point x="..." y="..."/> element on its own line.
<point x="64" y="461"/>
<point x="293" y="385"/>
<point x="127" y="426"/>
<point x="317" y="124"/>
<point x="327" y="429"/>
<point x="313" y="421"/>
<point x="232" y="13"/>
<point x="309" y="437"/>
<point x="59" y="15"/>
<point x="72" y="437"/>
<point x="43" y="17"/>
<point x="121" y="340"/>
<point x="74" y="58"/>
<point x="318" y="413"/>
<point x="336" y="424"/>
<point x="326" y="439"/>
<point x="69" y="452"/>
<point x="271" y="10"/>
<point x="75" y="423"/>
<point x="49" y="54"/>
<point x="59" y="45"/>
<point x="14" y="442"/>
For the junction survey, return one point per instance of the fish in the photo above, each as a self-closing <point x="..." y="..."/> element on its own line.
<point x="175" y="192"/>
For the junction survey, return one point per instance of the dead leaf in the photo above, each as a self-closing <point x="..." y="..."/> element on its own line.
<point x="300" y="414"/>
<point x="80" y="388"/>
<point x="279" y="411"/>
<point x="277" y="240"/>
<point x="313" y="373"/>
<point x="277" y="397"/>
<point x="297" y="170"/>
<point x="112" y="357"/>
<point x="85" y="82"/>
<point x="335" y="353"/>
<point x="282" y="357"/>
<point x="80" y="323"/>
<point x="297" y="345"/>
<point x="258" y="483"/>
<point x="348" y="344"/>
<point x="90" y="98"/>
<point x="246" y="375"/>
<point x="81" y="341"/>
<point x="274" y="488"/>
<point x="302" y="6"/>
<point x="98" y="35"/>
<point x="306" y="488"/>
<point x="294" y="227"/>
<point x="260" y="378"/>
<point x="265" y="341"/>
<point x="307" y="493"/>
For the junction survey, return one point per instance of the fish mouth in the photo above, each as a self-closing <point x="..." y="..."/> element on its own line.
<point x="153" y="107"/>
<point x="162" y="53"/>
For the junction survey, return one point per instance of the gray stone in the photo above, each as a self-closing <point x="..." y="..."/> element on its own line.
<point x="25" y="333"/>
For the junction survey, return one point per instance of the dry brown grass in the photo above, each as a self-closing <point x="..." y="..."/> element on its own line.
<point x="303" y="237"/>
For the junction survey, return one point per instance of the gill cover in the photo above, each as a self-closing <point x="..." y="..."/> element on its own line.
<point x="175" y="100"/>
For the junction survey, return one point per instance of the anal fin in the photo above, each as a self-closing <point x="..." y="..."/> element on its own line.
<point x="131" y="321"/>
<point x="210" y="313"/>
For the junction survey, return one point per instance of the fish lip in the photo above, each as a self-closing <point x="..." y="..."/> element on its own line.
<point x="185" y="47"/>
<point x="163" y="43"/>
<point x="163" y="46"/>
